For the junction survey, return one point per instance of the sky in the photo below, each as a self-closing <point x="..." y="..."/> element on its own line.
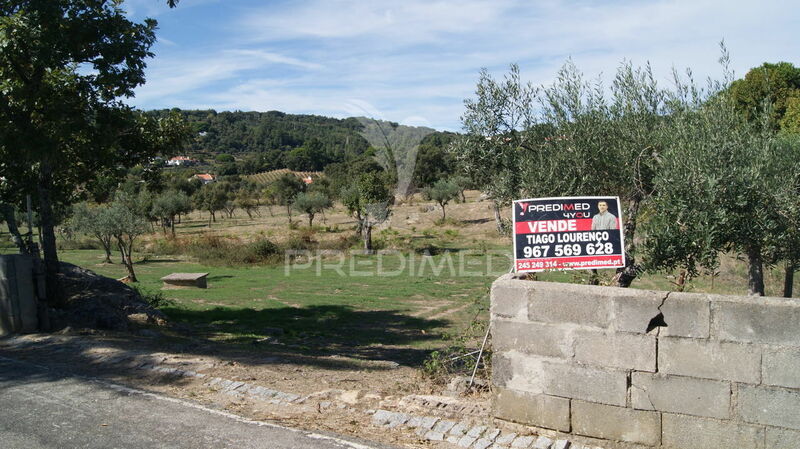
<point x="415" y="62"/>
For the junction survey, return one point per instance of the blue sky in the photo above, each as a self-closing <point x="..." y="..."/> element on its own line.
<point x="415" y="62"/>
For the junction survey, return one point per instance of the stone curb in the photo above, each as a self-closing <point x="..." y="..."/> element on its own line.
<point x="465" y="435"/>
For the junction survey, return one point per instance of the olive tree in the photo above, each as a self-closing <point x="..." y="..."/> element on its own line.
<point x="442" y="192"/>
<point x="168" y="205"/>
<point x="311" y="203"/>
<point x="126" y="227"/>
<point x="717" y="186"/>
<point x="285" y="190"/>
<point x="369" y="200"/>
<point x="97" y="222"/>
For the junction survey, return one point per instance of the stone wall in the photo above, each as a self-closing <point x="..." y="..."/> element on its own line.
<point x="649" y="368"/>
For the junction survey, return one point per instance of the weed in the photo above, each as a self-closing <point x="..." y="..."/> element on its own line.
<point x="156" y="299"/>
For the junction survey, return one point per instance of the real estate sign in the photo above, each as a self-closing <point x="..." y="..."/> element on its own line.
<point x="568" y="234"/>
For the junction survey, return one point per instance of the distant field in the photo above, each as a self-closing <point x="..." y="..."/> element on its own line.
<point x="266" y="178"/>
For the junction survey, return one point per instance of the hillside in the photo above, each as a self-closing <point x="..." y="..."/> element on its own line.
<point x="266" y="141"/>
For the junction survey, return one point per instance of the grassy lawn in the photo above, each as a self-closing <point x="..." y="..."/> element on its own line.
<point x="337" y="305"/>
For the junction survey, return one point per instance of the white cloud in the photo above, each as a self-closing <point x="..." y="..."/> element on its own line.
<point x="421" y="58"/>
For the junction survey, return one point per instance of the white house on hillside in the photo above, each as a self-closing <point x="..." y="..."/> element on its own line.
<point x="181" y="161"/>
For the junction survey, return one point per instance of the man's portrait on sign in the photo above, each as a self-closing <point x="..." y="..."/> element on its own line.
<point x="604" y="219"/>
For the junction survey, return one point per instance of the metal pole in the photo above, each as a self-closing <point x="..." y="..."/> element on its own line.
<point x="480" y="353"/>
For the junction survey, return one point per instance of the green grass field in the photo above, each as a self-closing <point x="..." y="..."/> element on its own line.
<point x="338" y="304"/>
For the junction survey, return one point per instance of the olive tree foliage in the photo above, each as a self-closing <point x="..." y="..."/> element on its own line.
<point x="719" y="185"/>
<point x="493" y="145"/>
<point x="285" y="190"/>
<point x="602" y="144"/>
<point x="369" y="200"/>
<point x="211" y="198"/>
<point x="568" y="138"/>
<point x="126" y="226"/>
<point x="786" y="247"/>
<point x="312" y="203"/>
<point x="95" y="221"/>
<point x="442" y="192"/>
<point x="168" y="205"/>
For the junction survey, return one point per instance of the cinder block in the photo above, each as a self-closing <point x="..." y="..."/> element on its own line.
<point x="633" y="309"/>
<point x="570" y="303"/>
<point x="677" y="394"/>
<point x="781" y="367"/>
<point x="688" y="432"/>
<point x="625" y="351"/>
<point x="534" y="338"/>
<point x="547" y="376"/>
<point x="782" y="439"/>
<point x="616" y="423"/>
<point x="759" y="320"/>
<point x="687" y="315"/>
<point x="509" y="299"/>
<point x="709" y="359"/>
<point x="532" y="409"/>
<point x="770" y="406"/>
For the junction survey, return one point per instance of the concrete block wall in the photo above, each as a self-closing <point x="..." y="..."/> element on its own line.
<point x="18" y="309"/>
<point x="593" y="361"/>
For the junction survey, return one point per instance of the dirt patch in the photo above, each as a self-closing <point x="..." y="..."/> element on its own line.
<point x="98" y="302"/>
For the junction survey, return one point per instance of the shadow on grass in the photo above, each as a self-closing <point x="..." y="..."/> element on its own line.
<point x="219" y="276"/>
<point x="318" y="330"/>
<point x="157" y="261"/>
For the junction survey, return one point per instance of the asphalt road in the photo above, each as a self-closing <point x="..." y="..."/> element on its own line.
<point x="40" y="408"/>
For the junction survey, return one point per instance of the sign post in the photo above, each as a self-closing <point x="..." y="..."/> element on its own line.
<point x="579" y="233"/>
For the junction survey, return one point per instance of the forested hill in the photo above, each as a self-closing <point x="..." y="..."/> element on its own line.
<point x="273" y="140"/>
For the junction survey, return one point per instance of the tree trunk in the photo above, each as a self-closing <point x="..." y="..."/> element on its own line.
<point x="626" y="275"/>
<point x="788" y="279"/>
<point x="129" y="264"/>
<point x="289" y="213"/>
<point x="755" y="272"/>
<point x="310" y="220"/>
<point x="48" y="236"/>
<point x="107" y="249"/>
<point x="594" y="278"/>
<point x="121" y="251"/>
<point x="497" y="218"/>
<point x="8" y="215"/>
<point x="443" y="213"/>
<point x="172" y="225"/>
<point x="367" y="237"/>
<point x="359" y="223"/>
